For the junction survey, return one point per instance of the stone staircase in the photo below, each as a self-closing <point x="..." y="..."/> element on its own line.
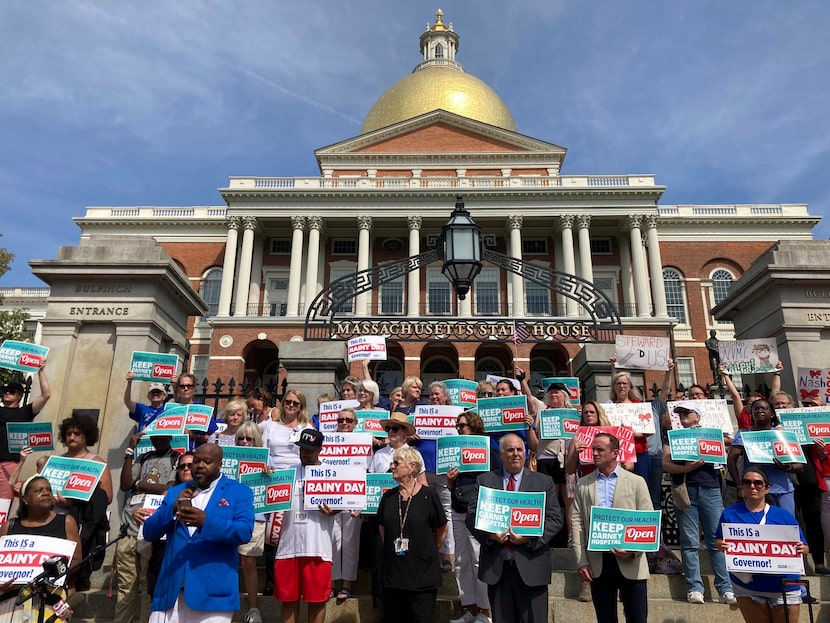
<point x="667" y="600"/>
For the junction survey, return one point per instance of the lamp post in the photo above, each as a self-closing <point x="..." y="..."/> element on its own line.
<point x="461" y="239"/>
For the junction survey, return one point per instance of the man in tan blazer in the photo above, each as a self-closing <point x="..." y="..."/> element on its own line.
<point x="617" y="571"/>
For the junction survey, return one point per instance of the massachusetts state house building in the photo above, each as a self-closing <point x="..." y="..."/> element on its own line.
<point x="260" y="259"/>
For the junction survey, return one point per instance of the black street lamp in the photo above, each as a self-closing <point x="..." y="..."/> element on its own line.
<point x="461" y="237"/>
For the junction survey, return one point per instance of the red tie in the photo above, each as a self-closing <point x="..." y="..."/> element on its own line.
<point x="511" y="483"/>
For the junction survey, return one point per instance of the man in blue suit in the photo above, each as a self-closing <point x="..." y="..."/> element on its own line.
<point x="205" y="521"/>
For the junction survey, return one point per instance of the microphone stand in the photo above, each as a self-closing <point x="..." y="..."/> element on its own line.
<point x="44" y="585"/>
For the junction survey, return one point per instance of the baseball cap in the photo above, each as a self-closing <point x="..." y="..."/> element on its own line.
<point x="14" y="386"/>
<point x="310" y="439"/>
<point x="688" y="405"/>
<point x="157" y="387"/>
<point x="561" y="387"/>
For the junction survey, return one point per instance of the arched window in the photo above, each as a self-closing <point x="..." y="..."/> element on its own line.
<point x="488" y="365"/>
<point x="209" y="291"/>
<point x="721" y="281"/>
<point x="439" y="51"/>
<point x="675" y="299"/>
<point x="388" y="375"/>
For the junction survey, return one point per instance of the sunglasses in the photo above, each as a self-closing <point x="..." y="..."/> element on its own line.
<point x="186" y="386"/>
<point x="758" y="484"/>
<point x="393" y="429"/>
<point x="462" y="425"/>
<point x="345" y="420"/>
<point x="9" y="391"/>
<point x="487" y="395"/>
<point x="243" y="438"/>
<point x="291" y="403"/>
<point x="183" y="466"/>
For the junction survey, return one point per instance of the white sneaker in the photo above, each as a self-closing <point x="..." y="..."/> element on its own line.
<point x="465" y="618"/>
<point x="482" y="618"/>
<point x="253" y="616"/>
<point x="728" y="598"/>
<point x="695" y="597"/>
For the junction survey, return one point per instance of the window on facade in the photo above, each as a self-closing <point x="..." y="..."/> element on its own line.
<point x="600" y="246"/>
<point x="345" y="289"/>
<point x="488" y="365"/>
<point x="277" y="296"/>
<point x="486" y="289"/>
<point x="537" y="299"/>
<point x="388" y="375"/>
<point x="344" y="247"/>
<point x="211" y="284"/>
<point x="439" y="51"/>
<point x="438" y="293"/>
<point x="685" y="367"/>
<point x="540" y="368"/>
<point x="199" y="368"/>
<point x="280" y="247"/>
<point x="675" y="299"/>
<point x="721" y="281"/>
<point x="391" y="297"/>
<point x="535" y="247"/>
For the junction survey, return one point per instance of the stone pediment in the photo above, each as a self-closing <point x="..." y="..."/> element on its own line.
<point x="444" y="136"/>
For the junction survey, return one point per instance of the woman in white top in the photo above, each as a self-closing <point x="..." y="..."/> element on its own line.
<point x="233" y="416"/>
<point x="279" y="435"/>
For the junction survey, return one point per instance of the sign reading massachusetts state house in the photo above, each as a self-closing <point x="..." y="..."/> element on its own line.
<point x="473" y="329"/>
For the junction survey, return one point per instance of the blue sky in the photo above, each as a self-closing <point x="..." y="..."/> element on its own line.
<point x="158" y="103"/>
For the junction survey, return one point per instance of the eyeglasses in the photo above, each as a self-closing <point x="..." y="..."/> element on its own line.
<point x="291" y="403"/>
<point x="9" y="391"/>
<point x="186" y="386"/>
<point x="183" y="466"/>
<point x="622" y="384"/>
<point x="487" y="394"/>
<point x="393" y="429"/>
<point x="398" y="463"/>
<point x="345" y="420"/>
<point x="758" y="484"/>
<point x="244" y="438"/>
<point x="462" y="425"/>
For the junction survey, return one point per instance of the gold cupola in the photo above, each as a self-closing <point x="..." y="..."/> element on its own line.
<point x="438" y="82"/>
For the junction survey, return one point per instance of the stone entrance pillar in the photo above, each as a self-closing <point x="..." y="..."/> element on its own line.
<point x="785" y="294"/>
<point x="314" y="368"/>
<point x="110" y="296"/>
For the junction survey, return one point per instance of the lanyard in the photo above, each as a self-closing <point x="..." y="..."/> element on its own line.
<point x="402" y="516"/>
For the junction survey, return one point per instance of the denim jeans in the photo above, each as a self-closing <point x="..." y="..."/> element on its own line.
<point x="704" y="513"/>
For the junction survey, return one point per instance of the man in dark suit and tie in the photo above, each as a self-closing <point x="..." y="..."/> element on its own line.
<point x="618" y="571"/>
<point x="516" y="569"/>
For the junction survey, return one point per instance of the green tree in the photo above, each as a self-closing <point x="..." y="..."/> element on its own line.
<point x="12" y="321"/>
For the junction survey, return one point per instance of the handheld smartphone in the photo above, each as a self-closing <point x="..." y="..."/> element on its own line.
<point x="185" y="502"/>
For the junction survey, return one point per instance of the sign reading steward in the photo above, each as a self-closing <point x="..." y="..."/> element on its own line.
<point x="22" y="356"/>
<point x="36" y="435"/>
<point x="625" y="529"/>
<point x="469" y="453"/>
<point x="505" y="413"/>
<point x="272" y="493"/>
<point x="521" y="511"/>
<point x="73" y="478"/>
<point x="154" y="367"/>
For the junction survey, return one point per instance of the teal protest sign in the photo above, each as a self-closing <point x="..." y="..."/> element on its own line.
<point x="241" y="460"/>
<point x="73" y="478"/>
<point x="505" y="413"/>
<point x="763" y="446"/>
<point x="197" y="417"/>
<point x="22" y="356"/>
<point x="558" y="423"/>
<point x="154" y="367"/>
<point x="171" y="421"/>
<point x="368" y="421"/>
<point x="179" y="443"/>
<point x="462" y="391"/>
<point x="36" y="435"/>
<point x="273" y="492"/>
<point x="621" y="528"/>
<point x="808" y="423"/>
<point x="376" y="486"/>
<point x="523" y="512"/>
<point x="692" y="444"/>
<point x="469" y="453"/>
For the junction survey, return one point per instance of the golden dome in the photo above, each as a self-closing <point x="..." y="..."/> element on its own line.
<point x="433" y="88"/>
<point x="438" y="83"/>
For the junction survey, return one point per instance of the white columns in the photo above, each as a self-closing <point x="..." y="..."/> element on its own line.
<point x="586" y="267"/>
<point x="293" y="303"/>
<point x="243" y="282"/>
<point x="364" y="300"/>
<point x="228" y="267"/>
<point x="566" y="224"/>
<point x="315" y="224"/>
<point x="655" y="267"/>
<point x="638" y="262"/>
<point x="514" y="222"/>
<point x="626" y="281"/>
<point x="413" y="280"/>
